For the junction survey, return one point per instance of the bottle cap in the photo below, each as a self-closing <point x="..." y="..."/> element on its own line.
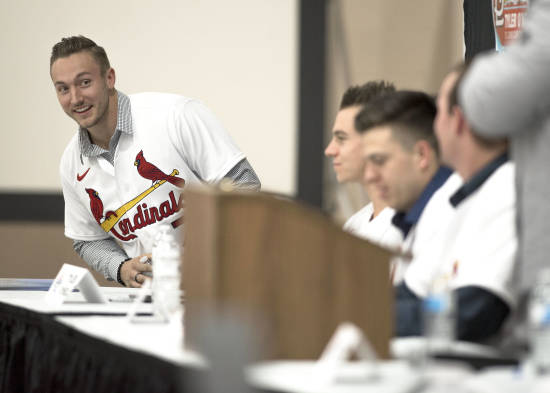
<point x="435" y="303"/>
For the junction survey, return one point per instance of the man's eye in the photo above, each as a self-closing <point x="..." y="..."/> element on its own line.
<point x="378" y="160"/>
<point x="85" y="82"/>
<point x="62" y="89"/>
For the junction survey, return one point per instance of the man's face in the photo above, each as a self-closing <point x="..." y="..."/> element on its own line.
<point x="345" y="147"/>
<point x="445" y="123"/>
<point x="81" y="89"/>
<point x="391" y="171"/>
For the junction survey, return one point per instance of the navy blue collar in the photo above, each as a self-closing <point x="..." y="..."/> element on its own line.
<point x="477" y="180"/>
<point x="405" y="220"/>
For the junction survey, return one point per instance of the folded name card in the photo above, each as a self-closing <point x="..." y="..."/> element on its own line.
<point x="348" y="341"/>
<point x="72" y="277"/>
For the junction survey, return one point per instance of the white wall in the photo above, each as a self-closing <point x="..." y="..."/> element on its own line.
<point x="239" y="57"/>
<point x="410" y="43"/>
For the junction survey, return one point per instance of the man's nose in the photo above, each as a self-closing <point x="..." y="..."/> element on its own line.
<point x="330" y="151"/>
<point x="76" y="98"/>
<point x="370" y="174"/>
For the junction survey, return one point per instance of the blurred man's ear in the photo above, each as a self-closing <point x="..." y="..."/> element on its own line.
<point x="424" y="154"/>
<point x="459" y="121"/>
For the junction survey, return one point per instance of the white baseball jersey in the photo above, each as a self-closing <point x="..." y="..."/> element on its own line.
<point x="479" y="246"/>
<point x="174" y="141"/>
<point x="435" y="217"/>
<point x="378" y="230"/>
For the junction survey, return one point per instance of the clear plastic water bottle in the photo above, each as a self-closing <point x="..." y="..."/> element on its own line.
<point x="166" y="255"/>
<point x="439" y="318"/>
<point x="539" y="323"/>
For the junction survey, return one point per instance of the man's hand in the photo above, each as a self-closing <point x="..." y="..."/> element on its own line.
<point x="131" y="271"/>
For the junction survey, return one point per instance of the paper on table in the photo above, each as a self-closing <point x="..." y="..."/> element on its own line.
<point x="72" y="277"/>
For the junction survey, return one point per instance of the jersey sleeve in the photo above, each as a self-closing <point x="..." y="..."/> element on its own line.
<point x="480" y="313"/>
<point x="205" y="144"/>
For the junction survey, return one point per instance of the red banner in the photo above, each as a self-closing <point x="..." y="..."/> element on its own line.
<point x="508" y="20"/>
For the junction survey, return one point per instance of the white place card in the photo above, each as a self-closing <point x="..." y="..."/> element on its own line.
<point x="348" y="341"/>
<point x="72" y="277"/>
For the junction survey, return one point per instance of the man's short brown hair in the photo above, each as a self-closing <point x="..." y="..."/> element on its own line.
<point x="409" y="114"/>
<point x="71" y="45"/>
<point x="360" y="95"/>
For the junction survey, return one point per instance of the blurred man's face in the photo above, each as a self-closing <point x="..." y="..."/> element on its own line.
<point x="345" y="147"/>
<point x="392" y="171"/>
<point x="446" y="123"/>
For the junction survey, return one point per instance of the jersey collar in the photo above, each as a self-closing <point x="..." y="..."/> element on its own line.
<point x="477" y="180"/>
<point x="405" y="220"/>
<point x="124" y="125"/>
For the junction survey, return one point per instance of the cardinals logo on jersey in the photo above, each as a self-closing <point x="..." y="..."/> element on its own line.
<point x="151" y="172"/>
<point x="96" y="205"/>
<point x="145" y="215"/>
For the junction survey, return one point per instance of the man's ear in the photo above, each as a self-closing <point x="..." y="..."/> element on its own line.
<point x="459" y="121"/>
<point x="110" y="78"/>
<point x="424" y="154"/>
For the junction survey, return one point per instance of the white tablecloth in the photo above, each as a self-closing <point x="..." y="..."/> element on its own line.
<point x="164" y="340"/>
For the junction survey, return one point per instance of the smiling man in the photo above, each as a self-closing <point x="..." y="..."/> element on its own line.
<point x="123" y="172"/>
<point x="372" y="222"/>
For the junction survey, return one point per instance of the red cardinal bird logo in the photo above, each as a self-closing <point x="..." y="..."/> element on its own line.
<point x="96" y="206"/>
<point x="151" y="172"/>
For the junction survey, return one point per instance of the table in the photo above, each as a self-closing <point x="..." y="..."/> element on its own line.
<point x="80" y="347"/>
<point x="396" y="377"/>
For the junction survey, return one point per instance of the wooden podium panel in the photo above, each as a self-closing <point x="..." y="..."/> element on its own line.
<point x="286" y="264"/>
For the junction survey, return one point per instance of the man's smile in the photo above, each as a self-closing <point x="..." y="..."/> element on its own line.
<point x="82" y="109"/>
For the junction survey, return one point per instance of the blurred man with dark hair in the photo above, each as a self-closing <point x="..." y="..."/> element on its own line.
<point x="373" y="221"/>
<point x="403" y="169"/>
<point x="473" y="258"/>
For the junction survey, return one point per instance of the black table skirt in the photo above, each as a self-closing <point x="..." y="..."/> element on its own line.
<point x="40" y="354"/>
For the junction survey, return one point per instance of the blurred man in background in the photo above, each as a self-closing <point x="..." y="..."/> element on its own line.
<point x="473" y="258"/>
<point x="372" y="222"/>
<point x="403" y="168"/>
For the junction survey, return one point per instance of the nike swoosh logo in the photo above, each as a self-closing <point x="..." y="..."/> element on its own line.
<point x="80" y="177"/>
